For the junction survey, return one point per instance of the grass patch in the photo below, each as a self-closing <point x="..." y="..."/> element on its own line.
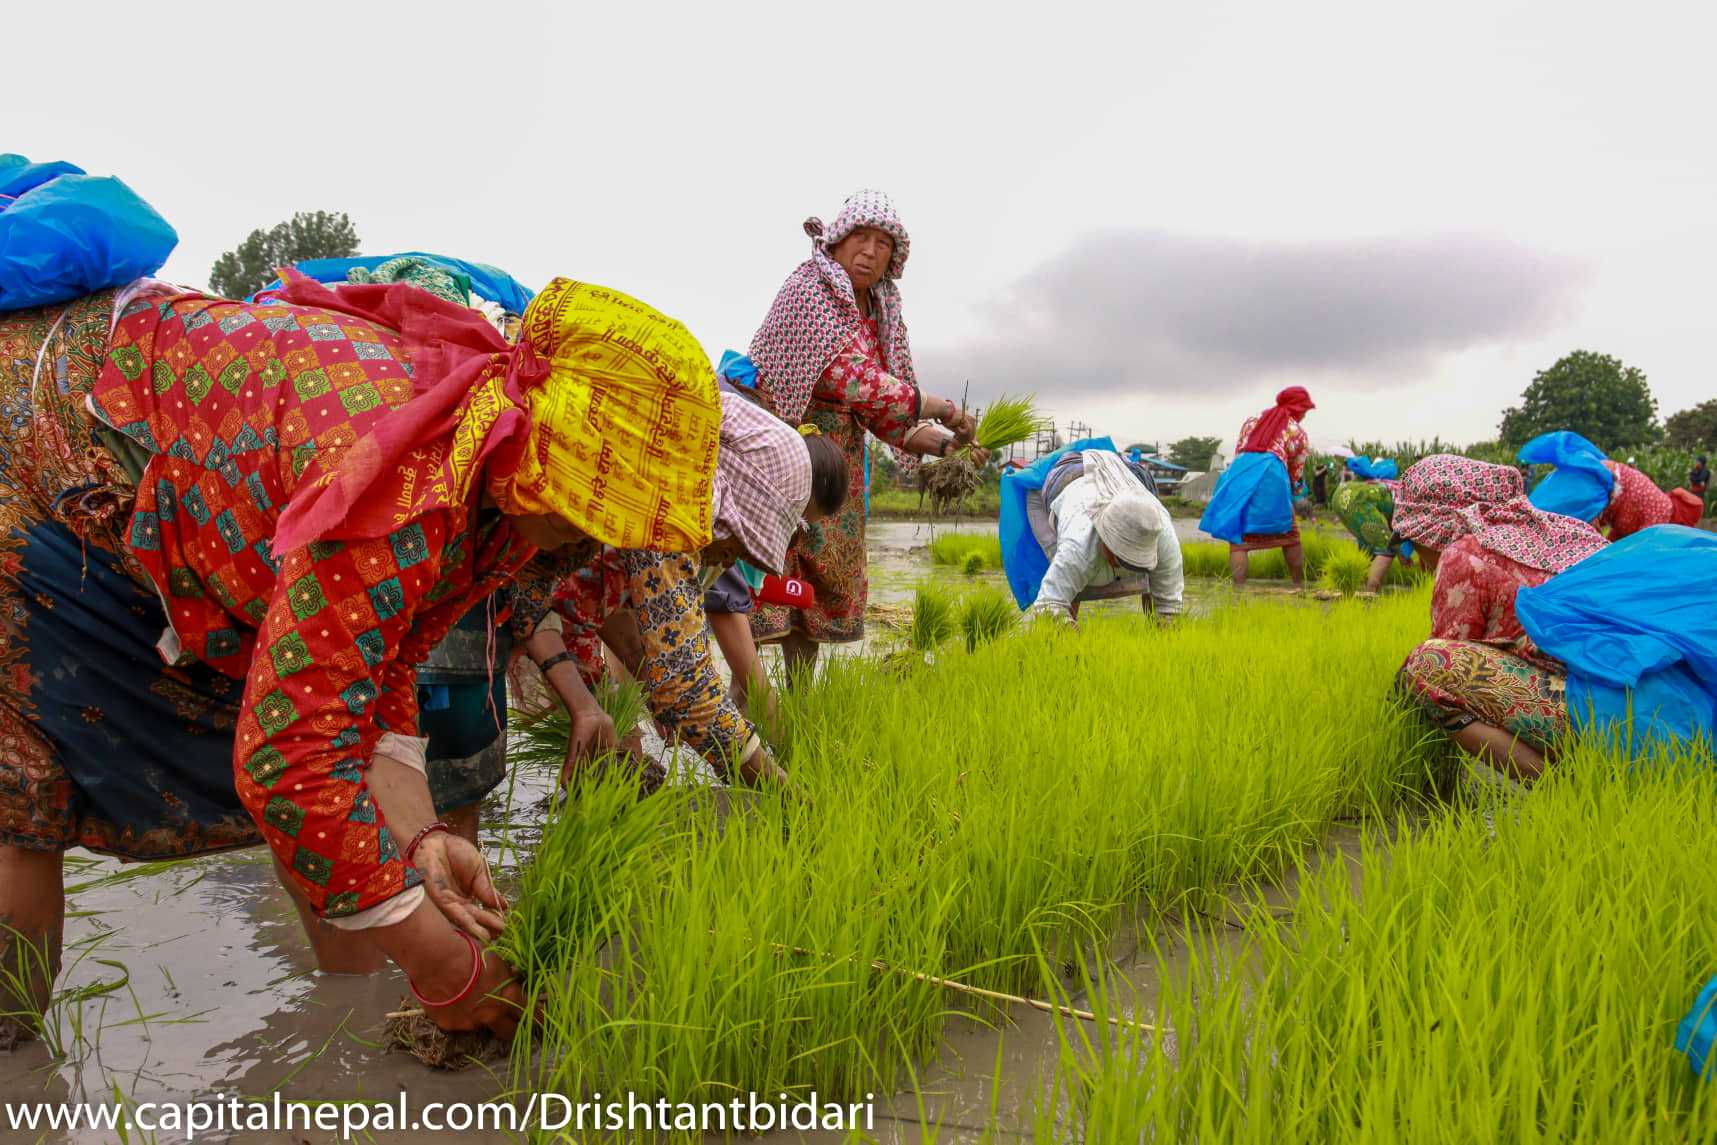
<point x="956" y="550"/>
<point x="1505" y="973"/>
<point x="713" y="954"/>
<point x="1210" y="559"/>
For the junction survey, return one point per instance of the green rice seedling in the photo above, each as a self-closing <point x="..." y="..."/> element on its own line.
<point x="539" y="739"/>
<point x="1507" y="971"/>
<point x="933" y="619"/>
<point x="1004" y="811"/>
<point x="974" y="564"/>
<point x="1204" y="558"/>
<point x="985" y="616"/>
<point x="957" y="549"/>
<point x="1345" y="572"/>
<point x="1008" y="421"/>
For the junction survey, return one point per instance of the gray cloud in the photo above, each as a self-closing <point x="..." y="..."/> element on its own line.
<point x="1178" y="313"/>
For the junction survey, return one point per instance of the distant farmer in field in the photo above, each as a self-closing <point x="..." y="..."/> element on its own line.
<point x="1613" y="495"/>
<point x="1365" y="502"/>
<point x="833" y="351"/>
<point x="1101" y="526"/>
<point x="1479" y="677"/>
<point x="1699" y="478"/>
<point x="1252" y="506"/>
<point x="250" y="522"/>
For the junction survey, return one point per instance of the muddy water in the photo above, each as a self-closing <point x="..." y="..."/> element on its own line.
<point x="198" y="983"/>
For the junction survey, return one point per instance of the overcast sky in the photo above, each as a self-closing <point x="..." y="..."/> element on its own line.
<point x="1152" y="215"/>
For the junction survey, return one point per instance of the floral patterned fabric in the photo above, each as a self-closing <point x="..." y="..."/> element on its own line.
<point x="1457" y="683"/>
<point x="1473" y="597"/>
<point x="1367" y="509"/>
<point x="1637" y="503"/>
<point x="1293" y="447"/>
<point x="1444" y="498"/>
<point x="855" y="394"/>
<point x="678" y="675"/>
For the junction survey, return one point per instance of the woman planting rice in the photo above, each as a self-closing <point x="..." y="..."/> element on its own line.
<point x="1099" y="524"/>
<point x="310" y="491"/>
<point x="1612" y="495"/>
<point x="1479" y="677"/>
<point x="1366" y="505"/>
<point x="1252" y="505"/>
<point x="765" y="476"/>
<point x="833" y="350"/>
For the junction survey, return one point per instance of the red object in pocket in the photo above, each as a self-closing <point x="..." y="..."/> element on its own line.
<point x="789" y="591"/>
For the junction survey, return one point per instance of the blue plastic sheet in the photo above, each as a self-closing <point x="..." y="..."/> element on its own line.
<point x="487" y="281"/>
<point x="1251" y="496"/>
<point x="1579" y="486"/>
<point x="1698" y="1031"/>
<point x="737" y="369"/>
<point x="1023" y="559"/>
<point x="64" y="234"/>
<point x="1635" y="625"/>
<point x="1373" y="468"/>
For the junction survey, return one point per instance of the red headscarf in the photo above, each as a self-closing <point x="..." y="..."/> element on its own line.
<point x="1291" y="403"/>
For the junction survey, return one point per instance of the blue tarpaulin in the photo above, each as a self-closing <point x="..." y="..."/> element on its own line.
<point x="1635" y="625"/>
<point x="487" y="281"/>
<point x="737" y="369"/>
<point x="1579" y="486"/>
<point x="1373" y="468"/>
<point x="64" y="233"/>
<point x="1023" y="558"/>
<point x="1251" y="497"/>
<point x="1698" y="1031"/>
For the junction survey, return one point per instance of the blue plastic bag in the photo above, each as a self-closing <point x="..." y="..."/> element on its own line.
<point x="487" y="282"/>
<point x="64" y="234"/>
<point x="1023" y="559"/>
<point x="1251" y="496"/>
<point x="737" y="369"/>
<point x="1697" y="1032"/>
<point x="1373" y="469"/>
<point x="1580" y="485"/>
<point x="1635" y="625"/>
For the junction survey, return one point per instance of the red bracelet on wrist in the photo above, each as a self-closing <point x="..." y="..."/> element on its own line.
<point x="438" y="825"/>
<point x="470" y="984"/>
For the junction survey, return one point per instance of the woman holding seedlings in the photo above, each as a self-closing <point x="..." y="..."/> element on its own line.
<point x="1252" y="506"/>
<point x="766" y="473"/>
<point x="1366" y="505"/>
<point x="1103" y="525"/>
<point x="833" y="350"/>
<point x="308" y="491"/>
<point x="1479" y="677"/>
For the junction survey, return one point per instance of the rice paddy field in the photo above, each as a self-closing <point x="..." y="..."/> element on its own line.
<point x="1123" y="883"/>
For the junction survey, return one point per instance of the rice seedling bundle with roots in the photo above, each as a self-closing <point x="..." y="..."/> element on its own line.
<point x="951" y="480"/>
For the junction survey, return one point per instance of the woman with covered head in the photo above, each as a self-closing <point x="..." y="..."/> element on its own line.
<point x="1366" y="505"/>
<point x="833" y="351"/>
<point x="764" y="482"/>
<point x="1252" y="506"/>
<point x="1480" y="677"/>
<point x="308" y="491"/>
<point x="1104" y="526"/>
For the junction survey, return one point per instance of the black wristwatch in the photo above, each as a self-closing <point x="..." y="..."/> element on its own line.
<point x="557" y="658"/>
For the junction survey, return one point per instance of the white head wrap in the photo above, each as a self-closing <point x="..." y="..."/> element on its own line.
<point x="1128" y="519"/>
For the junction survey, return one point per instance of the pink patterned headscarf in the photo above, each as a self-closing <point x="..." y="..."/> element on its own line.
<point x="815" y="315"/>
<point x="1445" y="497"/>
<point x="762" y="481"/>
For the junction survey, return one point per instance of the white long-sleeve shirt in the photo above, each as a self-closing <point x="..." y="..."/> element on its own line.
<point x="1079" y="563"/>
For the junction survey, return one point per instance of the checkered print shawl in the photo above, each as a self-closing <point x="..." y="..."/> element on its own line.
<point x="762" y="481"/>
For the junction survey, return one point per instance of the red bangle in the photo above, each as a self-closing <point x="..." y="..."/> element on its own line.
<point x="438" y="825"/>
<point x="476" y="973"/>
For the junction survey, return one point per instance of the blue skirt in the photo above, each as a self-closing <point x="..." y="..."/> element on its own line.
<point x="1252" y="499"/>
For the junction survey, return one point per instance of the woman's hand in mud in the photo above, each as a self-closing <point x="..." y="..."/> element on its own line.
<point x="495" y="1003"/>
<point x="457" y="880"/>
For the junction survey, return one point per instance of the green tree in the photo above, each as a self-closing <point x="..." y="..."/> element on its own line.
<point x="1694" y="428"/>
<point x="1194" y="452"/>
<point x="1592" y="394"/>
<point x="308" y="234"/>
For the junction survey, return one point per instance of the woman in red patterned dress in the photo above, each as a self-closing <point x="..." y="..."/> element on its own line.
<point x="1252" y="488"/>
<point x="833" y="351"/>
<point x="307" y="491"/>
<point x="1479" y="677"/>
<point x="1637" y="503"/>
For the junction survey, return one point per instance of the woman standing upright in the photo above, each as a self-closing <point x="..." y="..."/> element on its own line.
<point x="1252" y="506"/>
<point x="833" y="351"/>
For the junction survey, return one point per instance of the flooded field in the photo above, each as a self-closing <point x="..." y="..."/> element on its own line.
<point x="193" y="979"/>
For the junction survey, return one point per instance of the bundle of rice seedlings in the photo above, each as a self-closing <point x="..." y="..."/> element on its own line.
<point x="985" y="616"/>
<point x="957" y="549"/>
<point x="1006" y="422"/>
<point x="974" y="564"/>
<point x="932" y="619"/>
<point x="540" y="738"/>
<point x="1344" y="572"/>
